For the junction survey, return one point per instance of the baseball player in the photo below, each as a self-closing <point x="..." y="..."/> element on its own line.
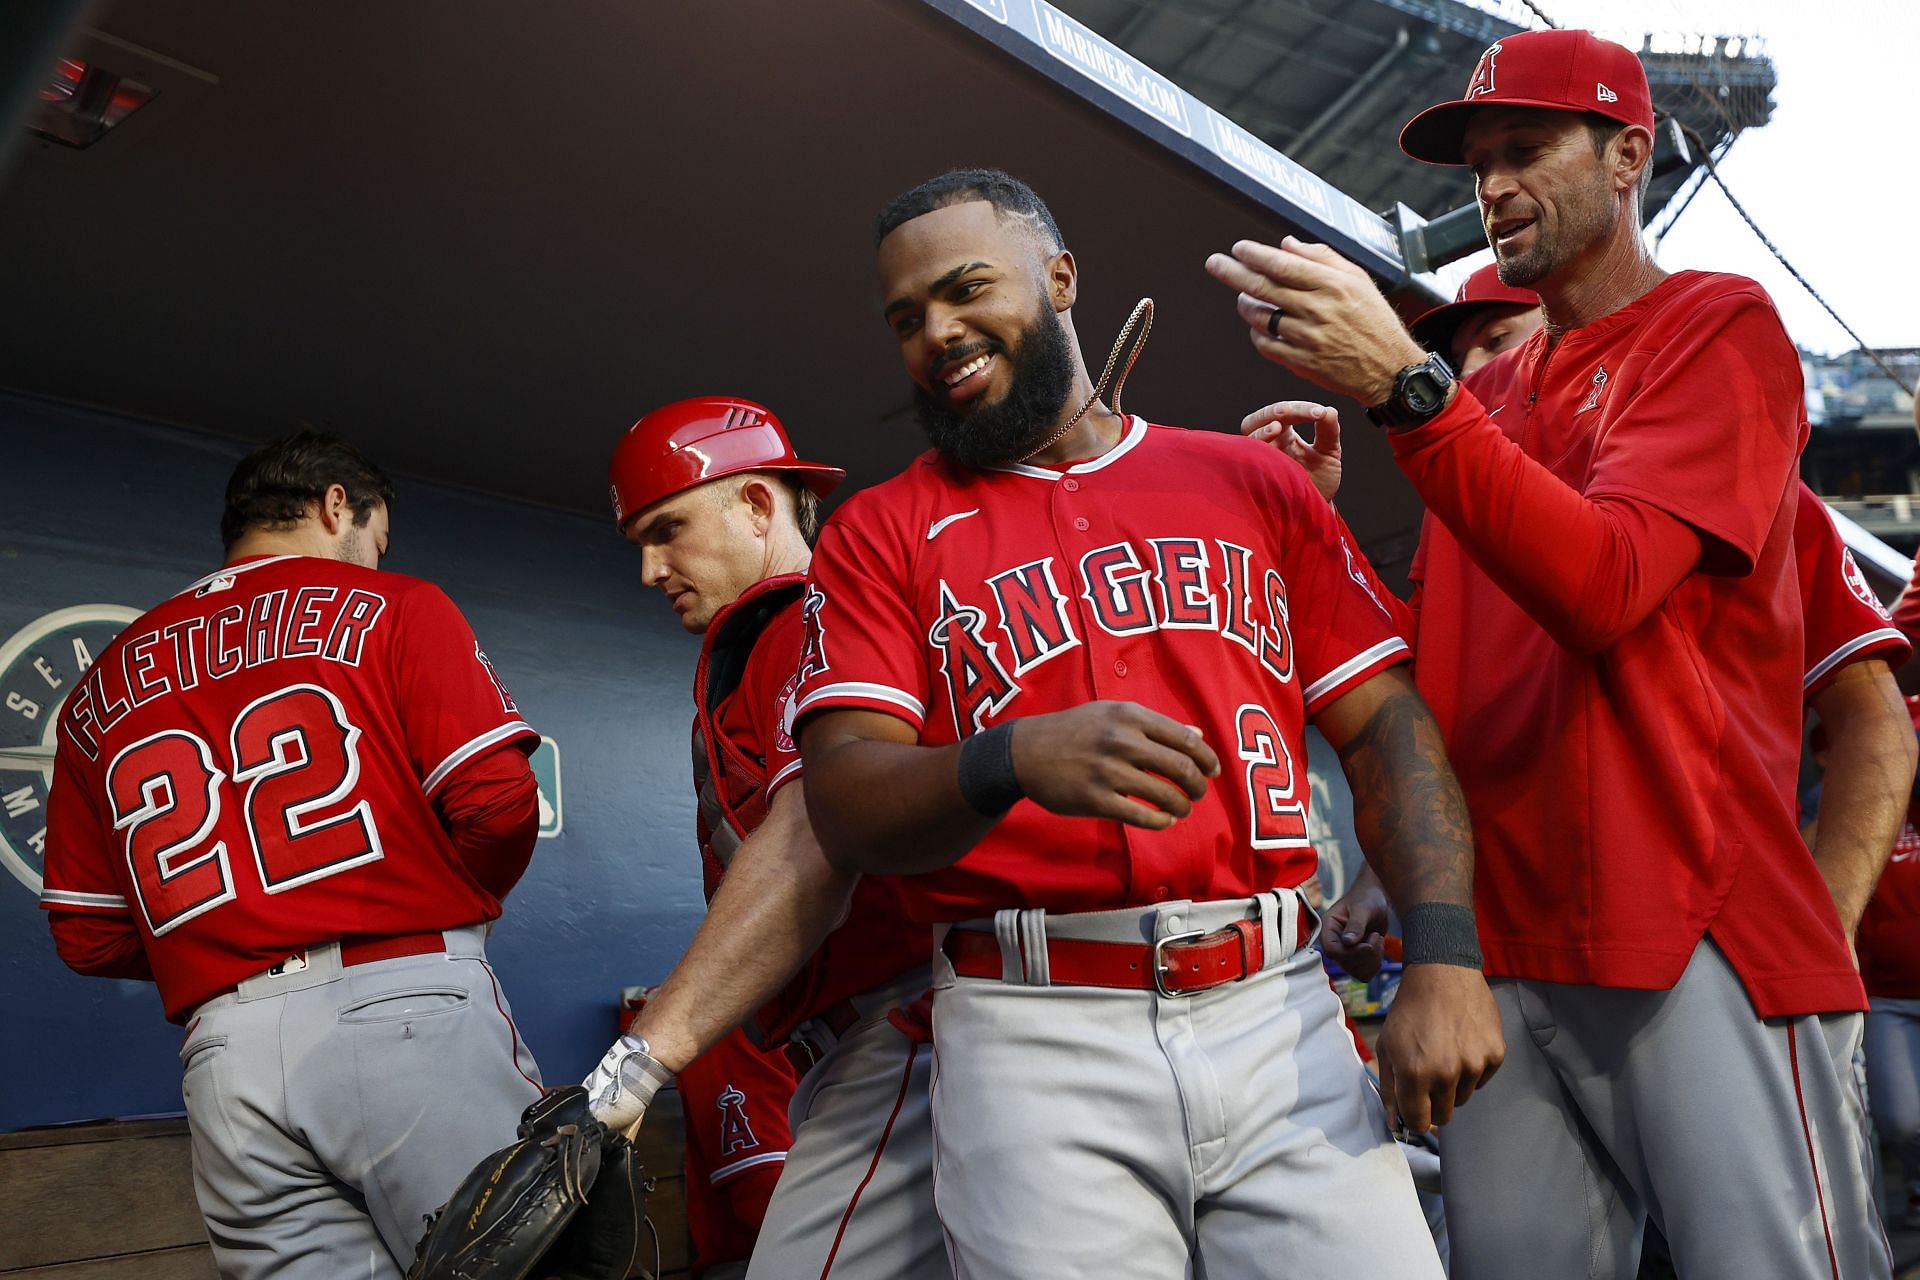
<point x="1059" y="671"/>
<point x="723" y="512"/>
<point x="1484" y="319"/>
<point x="293" y="796"/>
<point x="1612" y="513"/>
<point x="734" y="1100"/>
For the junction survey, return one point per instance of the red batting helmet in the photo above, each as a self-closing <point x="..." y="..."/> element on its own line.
<point x="690" y="442"/>
<point x="1434" y="329"/>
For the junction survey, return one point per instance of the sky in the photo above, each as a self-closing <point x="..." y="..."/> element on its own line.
<point x="1833" y="178"/>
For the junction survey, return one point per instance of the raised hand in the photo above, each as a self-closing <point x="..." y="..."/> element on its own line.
<point x="1278" y="424"/>
<point x="1335" y="328"/>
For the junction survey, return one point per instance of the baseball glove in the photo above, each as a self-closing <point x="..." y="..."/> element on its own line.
<point x="565" y="1202"/>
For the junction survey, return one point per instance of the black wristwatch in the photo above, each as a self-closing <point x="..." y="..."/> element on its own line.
<point x="1419" y="392"/>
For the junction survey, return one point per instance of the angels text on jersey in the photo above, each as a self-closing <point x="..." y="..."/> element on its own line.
<point x="990" y="634"/>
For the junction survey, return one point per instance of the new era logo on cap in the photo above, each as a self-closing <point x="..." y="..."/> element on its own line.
<point x="1546" y="70"/>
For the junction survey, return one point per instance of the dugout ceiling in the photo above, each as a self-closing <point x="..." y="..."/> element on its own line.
<point x="482" y="238"/>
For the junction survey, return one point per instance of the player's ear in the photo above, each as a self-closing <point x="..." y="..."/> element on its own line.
<point x="335" y="509"/>
<point x="1063" y="281"/>
<point x="757" y="493"/>
<point x="1630" y="151"/>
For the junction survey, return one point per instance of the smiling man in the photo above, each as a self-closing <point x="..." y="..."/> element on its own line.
<point x="1609" y="630"/>
<point x="1069" y="695"/>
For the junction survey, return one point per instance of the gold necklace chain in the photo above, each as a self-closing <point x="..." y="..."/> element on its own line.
<point x="1141" y="309"/>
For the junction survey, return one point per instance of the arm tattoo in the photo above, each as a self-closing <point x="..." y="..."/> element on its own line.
<point x="1407" y="807"/>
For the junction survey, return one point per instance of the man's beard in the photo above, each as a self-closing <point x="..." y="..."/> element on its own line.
<point x="1583" y="222"/>
<point x="1007" y="430"/>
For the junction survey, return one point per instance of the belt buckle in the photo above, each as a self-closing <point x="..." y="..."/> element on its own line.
<point x="1160" y="961"/>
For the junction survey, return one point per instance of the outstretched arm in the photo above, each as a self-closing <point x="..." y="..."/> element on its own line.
<point x="778" y="900"/>
<point x="1442" y="1039"/>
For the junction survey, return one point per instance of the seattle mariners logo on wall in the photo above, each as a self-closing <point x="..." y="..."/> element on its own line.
<point x="39" y="666"/>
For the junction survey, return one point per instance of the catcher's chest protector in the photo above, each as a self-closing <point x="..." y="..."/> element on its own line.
<point x="731" y="785"/>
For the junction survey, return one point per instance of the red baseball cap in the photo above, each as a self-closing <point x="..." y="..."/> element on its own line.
<point x="1556" y="70"/>
<point x="1434" y="329"/>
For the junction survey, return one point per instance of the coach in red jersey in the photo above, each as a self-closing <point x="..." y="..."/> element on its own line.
<point x="1059" y="671"/>
<point x="1609" y="631"/>
<point x="293" y="796"/>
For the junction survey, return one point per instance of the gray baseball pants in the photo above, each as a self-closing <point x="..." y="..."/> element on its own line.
<point x="333" y="1108"/>
<point x="855" y="1197"/>
<point x="1738" y="1135"/>
<point x="1084" y="1132"/>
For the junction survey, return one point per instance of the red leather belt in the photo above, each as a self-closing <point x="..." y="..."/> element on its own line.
<point x="1181" y="964"/>
<point x="367" y="950"/>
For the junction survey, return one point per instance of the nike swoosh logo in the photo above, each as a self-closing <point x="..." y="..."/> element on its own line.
<point x="933" y="530"/>
<point x="1494" y="413"/>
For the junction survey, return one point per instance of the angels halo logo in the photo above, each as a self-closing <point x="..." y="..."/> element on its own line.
<point x="39" y="666"/>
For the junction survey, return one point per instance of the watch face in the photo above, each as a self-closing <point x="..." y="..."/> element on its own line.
<point x="1423" y="393"/>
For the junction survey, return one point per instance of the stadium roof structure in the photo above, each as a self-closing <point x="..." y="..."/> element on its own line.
<point x="1329" y="82"/>
<point x="483" y="247"/>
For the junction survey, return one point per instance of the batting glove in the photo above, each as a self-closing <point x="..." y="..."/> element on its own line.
<point x="621" y="1088"/>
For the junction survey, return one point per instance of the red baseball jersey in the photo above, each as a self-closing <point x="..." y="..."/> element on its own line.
<point x="1628" y="800"/>
<point x="1195" y="573"/>
<point x="735" y="1098"/>
<point x="1845" y="621"/>
<point x="744" y="761"/>
<point x="248" y="770"/>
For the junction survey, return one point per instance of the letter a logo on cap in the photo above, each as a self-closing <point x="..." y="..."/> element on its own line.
<point x="1604" y="94"/>
<point x="1482" y="82"/>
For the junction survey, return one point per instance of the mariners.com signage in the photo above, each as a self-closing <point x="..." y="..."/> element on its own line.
<point x="1098" y="70"/>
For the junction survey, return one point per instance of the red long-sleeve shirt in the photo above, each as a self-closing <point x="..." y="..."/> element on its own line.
<point x="1609" y="632"/>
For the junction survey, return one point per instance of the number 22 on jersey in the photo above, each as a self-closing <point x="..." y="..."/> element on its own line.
<point x="296" y="754"/>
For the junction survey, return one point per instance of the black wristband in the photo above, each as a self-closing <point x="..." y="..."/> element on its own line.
<point x="1439" y="933"/>
<point x="987" y="780"/>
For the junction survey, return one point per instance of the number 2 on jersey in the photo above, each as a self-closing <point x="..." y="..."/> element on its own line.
<point x="1279" y="818"/>
<point x="295" y="752"/>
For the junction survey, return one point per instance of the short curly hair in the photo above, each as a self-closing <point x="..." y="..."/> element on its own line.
<point x="276" y="485"/>
<point x="1006" y="193"/>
